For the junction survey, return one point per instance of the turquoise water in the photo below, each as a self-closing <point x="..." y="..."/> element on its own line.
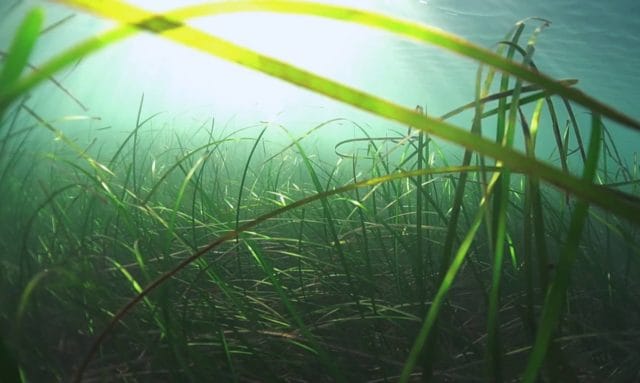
<point x="147" y="153"/>
<point x="589" y="41"/>
<point x="592" y="41"/>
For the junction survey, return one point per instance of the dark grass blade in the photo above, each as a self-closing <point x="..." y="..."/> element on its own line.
<point x="576" y="129"/>
<point x="552" y="309"/>
<point x="505" y="130"/>
<point x="241" y="191"/>
<point x="418" y="254"/>
<point x="371" y="290"/>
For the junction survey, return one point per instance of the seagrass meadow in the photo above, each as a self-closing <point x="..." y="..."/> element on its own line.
<point x="493" y="239"/>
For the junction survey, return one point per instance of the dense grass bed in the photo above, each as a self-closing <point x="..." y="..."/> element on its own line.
<point x="214" y="255"/>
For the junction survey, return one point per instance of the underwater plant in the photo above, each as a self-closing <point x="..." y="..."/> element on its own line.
<point x="382" y="274"/>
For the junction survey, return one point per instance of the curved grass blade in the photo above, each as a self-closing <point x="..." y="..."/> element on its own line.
<point x="504" y="95"/>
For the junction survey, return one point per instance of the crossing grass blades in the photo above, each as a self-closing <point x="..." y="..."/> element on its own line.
<point x="396" y="263"/>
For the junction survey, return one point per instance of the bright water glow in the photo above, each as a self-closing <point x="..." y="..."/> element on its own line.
<point x="316" y="45"/>
<point x="188" y="86"/>
<point x="179" y="78"/>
